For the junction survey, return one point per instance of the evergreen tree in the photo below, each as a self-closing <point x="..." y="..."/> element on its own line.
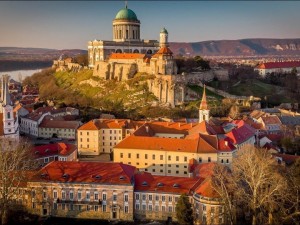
<point x="184" y="211"/>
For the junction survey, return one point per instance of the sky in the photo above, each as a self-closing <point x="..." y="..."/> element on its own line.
<point x="71" y="24"/>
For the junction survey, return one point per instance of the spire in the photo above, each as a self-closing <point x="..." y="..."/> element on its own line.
<point x="5" y="95"/>
<point x="125" y="4"/>
<point x="203" y="104"/>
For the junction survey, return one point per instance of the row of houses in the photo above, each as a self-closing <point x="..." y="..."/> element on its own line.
<point x="116" y="191"/>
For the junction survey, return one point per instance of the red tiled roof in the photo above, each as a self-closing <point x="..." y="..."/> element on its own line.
<point x="52" y="123"/>
<point x="241" y="133"/>
<point x="163" y="51"/>
<point x="170" y="184"/>
<point x="204" y="170"/>
<point x="271" y="120"/>
<point x="98" y="124"/>
<point x="288" y="159"/>
<point x="86" y="172"/>
<point x="202" y="127"/>
<point x="201" y="143"/>
<point x="126" y="56"/>
<point x="205" y="189"/>
<point x="273" y="65"/>
<point x="53" y="149"/>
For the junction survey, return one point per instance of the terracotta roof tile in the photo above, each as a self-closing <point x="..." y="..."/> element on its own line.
<point x="273" y="65"/>
<point x="145" y="182"/>
<point x="126" y="56"/>
<point x="86" y="172"/>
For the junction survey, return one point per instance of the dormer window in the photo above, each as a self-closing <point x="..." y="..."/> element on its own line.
<point x="160" y="185"/>
<point x="122" y="178"/>
<point x="144" y="183"/>
<point x="176" y="185"/>
<point x="65" y="175"/>
<point x="97" y="177"/>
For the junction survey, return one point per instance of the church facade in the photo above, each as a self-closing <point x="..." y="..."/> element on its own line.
<point x="126" y="55"/>
<point x="126" y="39"/>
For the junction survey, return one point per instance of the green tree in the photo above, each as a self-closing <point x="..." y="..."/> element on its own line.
<point x="184" y="211"/>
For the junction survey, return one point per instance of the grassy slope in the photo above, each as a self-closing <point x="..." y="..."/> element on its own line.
<point x="259" y="89"/>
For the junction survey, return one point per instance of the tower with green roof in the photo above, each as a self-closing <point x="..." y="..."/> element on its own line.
<point x="126" y="26"/>
<point x="163" y="38"/>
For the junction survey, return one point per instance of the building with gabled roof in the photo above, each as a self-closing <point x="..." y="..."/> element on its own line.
<point x="101" y="135"/>
<point x="54" y="152"/>
<point x="277" y="67"/>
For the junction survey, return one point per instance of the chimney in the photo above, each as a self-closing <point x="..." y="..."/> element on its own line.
<point x="147" y="129"/>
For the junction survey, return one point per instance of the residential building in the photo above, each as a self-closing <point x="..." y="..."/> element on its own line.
<point x="270" y="124"/>
<point x="101" y="135"/>
<point x="50" y="127"/>
<point x="93" y="190"/>
<point x="54" y="152"/>
<point x="277" y="67"/>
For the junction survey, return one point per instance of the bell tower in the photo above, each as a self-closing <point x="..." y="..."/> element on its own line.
<point x="203" y="109"/>
<point x="163" y="38"/>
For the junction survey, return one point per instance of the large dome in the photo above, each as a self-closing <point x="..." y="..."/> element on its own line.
<point x="126" y="14"/>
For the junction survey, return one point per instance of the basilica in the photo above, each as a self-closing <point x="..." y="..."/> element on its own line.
<point x="127" y="54"/>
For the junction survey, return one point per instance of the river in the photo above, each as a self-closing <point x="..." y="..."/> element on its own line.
<point x="18" y="75"/>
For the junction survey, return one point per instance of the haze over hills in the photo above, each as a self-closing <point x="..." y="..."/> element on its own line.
<point x="26" y="58"/>
<point x="245" y="47"/>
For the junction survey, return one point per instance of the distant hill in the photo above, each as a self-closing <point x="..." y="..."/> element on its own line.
<point x="14" y="58"/>
<point x="245" y="47"/>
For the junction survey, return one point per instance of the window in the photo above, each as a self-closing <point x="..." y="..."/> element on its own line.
<point x="163" y="198"/>
<point x="71" y="207"/>
<point x="55" y="194"/>
<point x="55" y="206"/>
<point x="88" y="196"/>
<point x="129" y="155"/>
<point x="103" y="208"/>
<point x="79" y="195"/>
<point x="156" y="208"/>
<point x="163" y="208"/>
<point x="185" y="158"/>
<point x="63" y="195"/>
<point x="227" y="160"/>
<point x="104" y="197"/>
<point x="8" y="115"/>
<point x="121" y="155"/>
<point x="143" y="197"/>
<point x="150" y="207"/>
<point x="126" y="198"/>
<point x="153" y="156"/>
<point x="169" y="157"/>
<point x="126" y="210"/>
<point x="146" y="156"/>
<point x="79" y="207"/>
<point x="96" y="196"/>
<point x="222" y="161"/>
<point x="200" y="160"/>
<point x="114" y="197"/>
<point x="137" y="156"/>
<point x="150" y="197"/>
<point x="137" y="196"/>
<point x="161" y="157"/>
<point x="71" y="195"/>
<point x="209" y="159"/>
<point x="177" y="158"/>
<point x="137" y="206"/>
<point x="212" y="209"/>
<point x="87" y="133"/>
<point x="204" y="208"/>
<point x="88" y="208"/>
<point x="170" y="208"/>
<point x="170" y="198"/>
<point x="96" y="208"/>
<point x="156" y="197"/>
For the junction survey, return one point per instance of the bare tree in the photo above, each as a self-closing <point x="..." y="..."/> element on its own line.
<point x="222" y="183"/>
<point x="255" y="182"/>
<point x="16" y="161"/>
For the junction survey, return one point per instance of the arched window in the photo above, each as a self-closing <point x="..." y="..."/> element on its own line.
<point x="136" y="51"/>
<point x="8" y="115"/>
<point x="118" y="51"/>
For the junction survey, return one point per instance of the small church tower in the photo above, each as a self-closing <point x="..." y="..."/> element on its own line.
<point x="203" y="109"/>
<point x="163" y="38"/>
<point x="10" y="124"/>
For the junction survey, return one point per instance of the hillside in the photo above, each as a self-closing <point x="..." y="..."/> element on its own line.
<point x="243" y="47"/>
